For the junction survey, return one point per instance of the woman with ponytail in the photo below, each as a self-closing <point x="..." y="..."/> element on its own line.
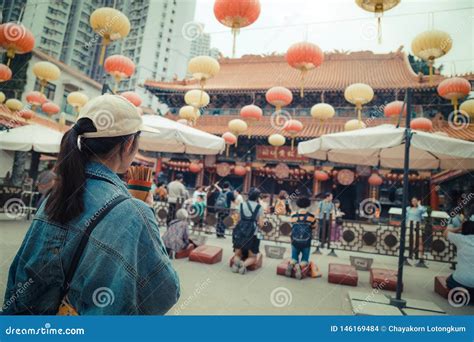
<point x="92" y="248"/>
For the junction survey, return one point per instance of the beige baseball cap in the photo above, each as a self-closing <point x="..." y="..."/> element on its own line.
<point x="113" y="116"/>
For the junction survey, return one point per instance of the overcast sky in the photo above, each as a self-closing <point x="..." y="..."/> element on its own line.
<point x="341" y="24"/>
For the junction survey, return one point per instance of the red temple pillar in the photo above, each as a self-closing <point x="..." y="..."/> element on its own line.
<point x="247" y="179"/>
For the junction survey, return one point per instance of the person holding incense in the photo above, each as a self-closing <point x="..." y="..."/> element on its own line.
<point x="90" y="233"/>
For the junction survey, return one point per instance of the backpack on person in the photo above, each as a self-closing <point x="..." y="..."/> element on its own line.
<point x="301" y="233"/>
<point x="221" y="201"/>
<point x="245" y="228"/>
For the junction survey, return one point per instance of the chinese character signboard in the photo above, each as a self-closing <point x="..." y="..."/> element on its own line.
<point x="283" y="153"/>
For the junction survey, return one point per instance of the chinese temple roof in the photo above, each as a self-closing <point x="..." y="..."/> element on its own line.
<point x="339" y="69"/>
<point x="312" y="128"/>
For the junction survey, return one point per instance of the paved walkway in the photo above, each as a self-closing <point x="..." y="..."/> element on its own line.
<point x="215" y="290"/>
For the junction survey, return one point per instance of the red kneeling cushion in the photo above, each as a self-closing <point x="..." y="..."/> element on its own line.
<point x="342" y="274"/>
<point x="281" y="269"/>
<point x="252" y="267"/>
<point x="440" y="286"/>
<point x="184" y="253"/>
<point x="206" y="254"/>
<point x="383" y="279"/>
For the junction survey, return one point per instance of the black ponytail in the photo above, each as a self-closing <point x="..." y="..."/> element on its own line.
<point x="66" y="199"/>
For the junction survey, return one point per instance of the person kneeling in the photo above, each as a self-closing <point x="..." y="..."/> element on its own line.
<point x="245" y="237"/>
<point x="176" y="237"/>
<point x="463" y="239"/>
<point x="303" y="222"/>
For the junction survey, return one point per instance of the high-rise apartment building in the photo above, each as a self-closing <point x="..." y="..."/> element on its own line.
<point x="155" y="43"/>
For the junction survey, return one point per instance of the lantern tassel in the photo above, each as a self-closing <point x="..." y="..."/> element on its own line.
<point x="227" y="150"/>
<point x="379" y="29"/>
<point x="359" y="113"/>
<point x="235" y="32"/>
<point x="455" y="105"/>
<point x="105" y="42"/>
<point x="303" y="72"/>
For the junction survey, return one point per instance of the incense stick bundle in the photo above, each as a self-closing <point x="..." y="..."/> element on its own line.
<point x="139" y="181"/>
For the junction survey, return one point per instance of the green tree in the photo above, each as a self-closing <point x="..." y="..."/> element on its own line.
<point x="420" y="65"/>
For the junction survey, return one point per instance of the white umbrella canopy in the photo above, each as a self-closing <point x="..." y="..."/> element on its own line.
<point x="178" y="138"/>
<point x="384" y="146"/>
<point x="31" y="137"/>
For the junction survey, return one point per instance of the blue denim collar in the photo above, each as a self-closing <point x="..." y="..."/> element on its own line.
<point x="99" y="170"/>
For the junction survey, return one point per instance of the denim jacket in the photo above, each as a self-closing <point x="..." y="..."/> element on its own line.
<point x="124" y="270"/>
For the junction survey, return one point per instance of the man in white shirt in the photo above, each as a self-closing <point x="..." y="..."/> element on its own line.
<point x="463" y="239"/>
<point x="177" y="194"/>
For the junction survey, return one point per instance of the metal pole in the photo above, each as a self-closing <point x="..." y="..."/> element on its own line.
<point x="398" y="300"/>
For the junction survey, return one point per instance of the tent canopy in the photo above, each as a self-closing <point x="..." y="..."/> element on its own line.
<point x="31" y="137"/>
<point x="384" y="146"/>
<point x="175" y="137"/>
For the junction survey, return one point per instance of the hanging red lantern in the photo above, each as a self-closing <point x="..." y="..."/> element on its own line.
<point x="304" y="56"/>
<point x="321" y="176"/>
<point x="35" y="98"/>
<point x="50" y="108"/>
<point x="236" y="14"/>
<point x="251" y="114"/>
<point x="240" y="170"/>
<point x="195" y="168"/>
<point x="453" y="89"/>
<point x="293" y="127"/>
<point x="15" y="39"/>
<point x="230" y="139"/>
<point x="394" y="108"/>
<point x="26" y="114"/>
<point x="279" y="97"/>
<point x="375" y="180"/>
<point x="119" y="67"/>
<point x="422" y="124"/>
<point x="132" y="97"/>
<point x="5" y="73"/>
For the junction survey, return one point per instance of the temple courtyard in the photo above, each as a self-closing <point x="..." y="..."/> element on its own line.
<point x="215" y="290"/>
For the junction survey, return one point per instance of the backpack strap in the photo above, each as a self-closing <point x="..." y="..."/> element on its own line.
<point x="90" y="225"/>
<point x="255" y="212"/>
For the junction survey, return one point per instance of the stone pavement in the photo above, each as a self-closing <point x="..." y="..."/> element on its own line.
<point x="215" y="290"/>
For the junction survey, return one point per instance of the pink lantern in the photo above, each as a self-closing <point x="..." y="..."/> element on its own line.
<point x="279" y="97"/>
<point x="453" y="89"/>
<point x="321" y="176"/>
<point x="293" y="127"/>
<point x="5" y="73"/>
<point x="421" y="124"/>
<point x="195" y="168"/>
<point x="50" y="108"/>
<point x="375" y="180"/>
<point x="36" y="98"/>
<point x="119" y="67"/>
<point x="240" y="170"/>
<point x="230" y="139"/>
<point x="133" y="97"/>
<point x="304" y="56"/>
<point x="394" y="108"/>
